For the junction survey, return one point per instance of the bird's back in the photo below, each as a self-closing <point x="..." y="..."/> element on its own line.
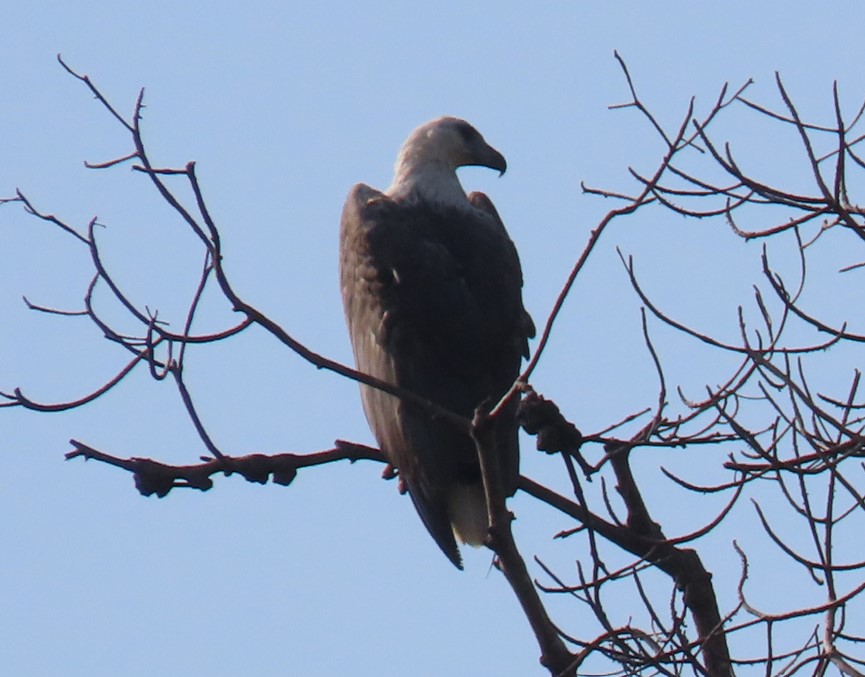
<point x="433" y="303"/>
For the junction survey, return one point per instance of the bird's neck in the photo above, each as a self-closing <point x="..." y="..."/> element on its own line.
<point x="427" y="182"/>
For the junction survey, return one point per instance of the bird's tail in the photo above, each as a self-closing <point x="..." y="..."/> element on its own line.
<point x="467" y="507"/>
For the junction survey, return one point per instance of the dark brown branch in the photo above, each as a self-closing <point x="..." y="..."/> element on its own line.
<point x="152" y="477"/>
<point x="102" y="100"/>
<point x="18" y="398"/>
<point x="554" y="655"/>
<point x="50" y="218"/>
<point x="642" y="535"/>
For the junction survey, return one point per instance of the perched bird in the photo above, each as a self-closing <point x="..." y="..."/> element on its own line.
<point x="432" y="291"/>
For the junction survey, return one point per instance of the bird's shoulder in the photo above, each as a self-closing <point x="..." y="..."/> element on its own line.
<point x="443" y="263"/>
<point x="408" y="235"/>
<point x="364" y="203"/>
<point x="483" y="203"/>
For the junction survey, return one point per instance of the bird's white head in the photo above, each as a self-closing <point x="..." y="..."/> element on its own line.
<point x="426" y="165"/>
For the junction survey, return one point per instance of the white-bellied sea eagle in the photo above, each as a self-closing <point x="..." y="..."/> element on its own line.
<point x="432" y="291"/>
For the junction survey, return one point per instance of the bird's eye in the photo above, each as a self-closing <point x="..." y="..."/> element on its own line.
<point x="470" y="134"/>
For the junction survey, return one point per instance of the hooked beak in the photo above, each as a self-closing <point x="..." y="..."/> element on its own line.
<point x="495" y="160"/>
<point x="484" y="155"/>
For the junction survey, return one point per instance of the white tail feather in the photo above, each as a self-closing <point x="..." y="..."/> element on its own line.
<point x="467" y="507"/>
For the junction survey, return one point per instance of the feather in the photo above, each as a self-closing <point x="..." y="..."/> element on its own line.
<point x="431" y="286"/>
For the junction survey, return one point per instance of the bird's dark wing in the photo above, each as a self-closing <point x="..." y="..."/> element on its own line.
<point x="527" y="325"/>
<point x="433" y="303"/>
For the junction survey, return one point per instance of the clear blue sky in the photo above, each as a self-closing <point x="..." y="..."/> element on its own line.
<point x="284" y="106"/>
